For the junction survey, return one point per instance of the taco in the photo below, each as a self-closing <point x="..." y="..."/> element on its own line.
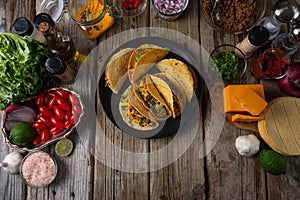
<point x="143" y="59"/>
<point x="134" y="114"/>
<point x="181" y="73"/>
<point x="115" y="74"/>
<point x="148" y="95"/>
<point x="171" y="91"/>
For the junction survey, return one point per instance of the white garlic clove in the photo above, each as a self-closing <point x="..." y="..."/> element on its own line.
<point x="247" y="145"/>
<point x="12" y="162"/>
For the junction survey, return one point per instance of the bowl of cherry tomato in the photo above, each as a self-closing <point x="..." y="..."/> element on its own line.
<point x="48" y="117"/>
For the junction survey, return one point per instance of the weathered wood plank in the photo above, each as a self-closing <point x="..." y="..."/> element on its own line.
<point x="183" y="178"/>
<point x="230" y="176"/>
<point x="112" y="181"/>
<point x="12" y="186"/>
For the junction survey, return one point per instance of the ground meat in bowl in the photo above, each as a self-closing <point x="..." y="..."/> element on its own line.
<point x="237" y="14"/>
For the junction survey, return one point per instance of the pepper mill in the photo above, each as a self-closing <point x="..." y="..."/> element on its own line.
<point x="284" y="11"/>
<point x="288" y="42"/>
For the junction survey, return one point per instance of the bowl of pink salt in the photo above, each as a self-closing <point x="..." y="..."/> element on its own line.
<point x="38" y="169"/>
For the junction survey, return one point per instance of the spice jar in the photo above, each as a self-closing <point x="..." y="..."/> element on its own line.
<point x="56" y="66"/>
<point x="272" y="64"/>
<point x="256" y="37"/>
<point x="57" y="42"/>
<point x="23" y="27"/>
<point x="92" y="16"/>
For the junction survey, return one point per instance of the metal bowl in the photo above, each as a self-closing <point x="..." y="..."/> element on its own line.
<point x="63" y="134"/>
<point x="260" y="11"/>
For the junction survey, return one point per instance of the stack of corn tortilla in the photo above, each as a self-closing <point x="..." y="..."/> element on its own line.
<point x="281" y="127"/>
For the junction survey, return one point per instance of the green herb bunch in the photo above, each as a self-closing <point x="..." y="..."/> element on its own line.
<point x="22" y="71"/>
<point x="225" y="64"/>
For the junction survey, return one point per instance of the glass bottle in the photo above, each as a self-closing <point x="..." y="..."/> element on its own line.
<point x="284" y="11"/>
<point x="256" y="38"/>
<point x="288" y="42"/>
<point x="23" y="27"/>
<point x="57" y="67"/>
<point x="57" y="42"/>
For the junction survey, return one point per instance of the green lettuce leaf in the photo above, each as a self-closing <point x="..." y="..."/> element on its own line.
<point x="22" y="71"/>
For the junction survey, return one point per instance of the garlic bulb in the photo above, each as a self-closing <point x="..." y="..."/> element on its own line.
<point x="247" y="145"/>
<point x="12" y="162"/>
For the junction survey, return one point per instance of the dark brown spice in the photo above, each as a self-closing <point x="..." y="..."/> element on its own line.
<point x="238" y="14"/>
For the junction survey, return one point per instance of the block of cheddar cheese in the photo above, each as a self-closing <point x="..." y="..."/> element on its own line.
<point x="239" y="98"/>
<point x="246" y="118"/>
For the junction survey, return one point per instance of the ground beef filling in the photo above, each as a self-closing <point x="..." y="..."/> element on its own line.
<point x="237" y="13"/>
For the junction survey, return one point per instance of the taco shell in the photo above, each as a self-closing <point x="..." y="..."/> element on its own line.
<point x="181" y="73"/>
<point x="115" y="74"/>
<point x="134" y="114"/>
<point x="280" y="129"/>
<point x="171" y="91"/>
<point x="146" y="92"/>
<point x="143" y="59"/>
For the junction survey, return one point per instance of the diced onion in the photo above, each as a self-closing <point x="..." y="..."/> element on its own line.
<point x="169" y="6"/>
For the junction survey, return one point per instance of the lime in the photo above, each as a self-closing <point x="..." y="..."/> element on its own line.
<point x="22" y="134"/>
<point x="64" y="147"/>
<point x="272" y="162"/>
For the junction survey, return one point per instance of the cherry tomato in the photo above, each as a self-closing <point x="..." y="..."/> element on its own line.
<point x="76" y="109"/>
<point x="56" y="122"/>
<point x="45" y="135"/>
<point x="52" y="102"/>
<point x="52" y="93"/>
<point x="39" y="125"/>
<point x="45" y="120"/>
<point x="68" y="116"/>
<point x="11" y="107"/>
<point x="73" y="99"/>
<point x="45" y="111"/>
<point x="38" y="116"/>
<point x="37" y="140"/>
<point x="74" y="119"/>
<point x="40" y="98"/>
<point x="62" y="93"/>
<point x="55" y="130"/>
<point x="47" y="99"/>
<point x="68" y="124"/>
<point x="63" y="104"/>
<point x="59" y="112"/>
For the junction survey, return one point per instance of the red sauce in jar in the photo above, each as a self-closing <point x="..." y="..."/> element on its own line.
<point x="271" y="64"/>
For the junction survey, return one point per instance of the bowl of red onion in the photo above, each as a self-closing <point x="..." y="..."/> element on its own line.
<point x="170" y="9"/>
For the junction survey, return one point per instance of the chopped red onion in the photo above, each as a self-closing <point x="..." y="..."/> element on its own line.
<point x="169" y="6"/>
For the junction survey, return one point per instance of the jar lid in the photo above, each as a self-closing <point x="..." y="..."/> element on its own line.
<point x="43" y="17"/>
<point x="55" y="65"/>
<point x="22" y="27"/>
<point x="55" y="8"/>
<point x="258" y="35"/>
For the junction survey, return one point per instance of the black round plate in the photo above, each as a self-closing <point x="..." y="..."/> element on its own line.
<point x="110" y="101"/>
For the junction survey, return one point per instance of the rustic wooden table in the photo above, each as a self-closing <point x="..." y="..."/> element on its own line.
<point x="222" y="174"/>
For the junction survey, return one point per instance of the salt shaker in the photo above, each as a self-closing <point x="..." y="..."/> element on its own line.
<point x="284" y="11"/>
<point x="288" y="42"/>
<point x="256" y="38"/>
<point x="56" y="66"/>
<point x="23" y="27"/>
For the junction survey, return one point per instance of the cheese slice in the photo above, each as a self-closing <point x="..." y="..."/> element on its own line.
<point x="250" y="101"/>
<point x="246" y="118"/>
<point x="230" y="102"/>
